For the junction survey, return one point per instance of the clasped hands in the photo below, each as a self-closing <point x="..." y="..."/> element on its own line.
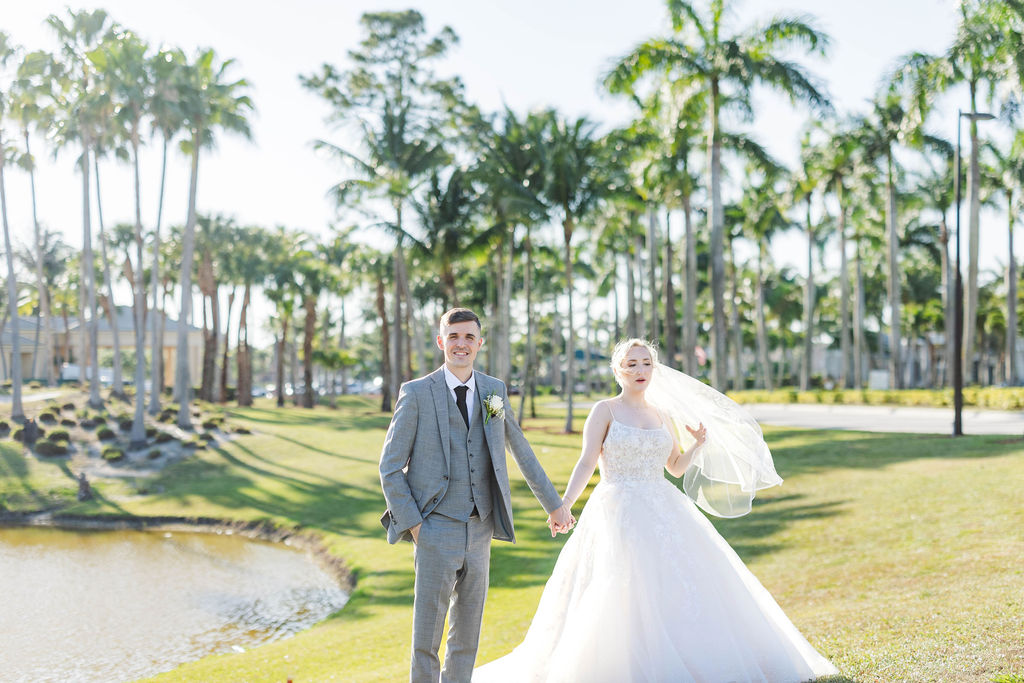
<point x="561" y="520"/>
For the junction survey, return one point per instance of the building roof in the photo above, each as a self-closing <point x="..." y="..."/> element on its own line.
<point x="125" y="322"/>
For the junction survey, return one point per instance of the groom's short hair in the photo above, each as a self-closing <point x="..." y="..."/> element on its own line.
<point x="459" y="315"/>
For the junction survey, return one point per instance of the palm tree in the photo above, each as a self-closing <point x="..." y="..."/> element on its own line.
<point x="77" y="98"/>
<point x="984" y="45"/>
<point x="30" y="98"/>
<point x="249" y="259"/>
<point x="165" y="109"/>
<point x="7" y="53"/>
<point x="281" y="288"/>
<point x="1008" y="168"/>
<point x="390" y="92"/>
<point x="314" y="278"/>
<point x="209" y="102"/>
<point x="124" y="64"/>
<point x="803" y="185"/>
<point x="575" y="165"/>
<point x="701" y="49"/>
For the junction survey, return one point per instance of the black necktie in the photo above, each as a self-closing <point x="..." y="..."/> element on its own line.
<point x="460" y="401"/>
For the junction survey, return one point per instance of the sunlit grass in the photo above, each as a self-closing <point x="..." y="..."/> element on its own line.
<point x="898" y="556"/>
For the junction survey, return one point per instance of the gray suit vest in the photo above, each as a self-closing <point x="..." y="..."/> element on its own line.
<point x="469" y="482"/>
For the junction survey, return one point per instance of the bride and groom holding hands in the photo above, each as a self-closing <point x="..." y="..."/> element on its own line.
<point x="645" y="589"/>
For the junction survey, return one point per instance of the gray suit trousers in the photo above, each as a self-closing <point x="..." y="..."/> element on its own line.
<point x="452" y="561"/>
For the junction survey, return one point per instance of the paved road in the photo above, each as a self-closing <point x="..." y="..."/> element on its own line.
<point x="888" y="418"/>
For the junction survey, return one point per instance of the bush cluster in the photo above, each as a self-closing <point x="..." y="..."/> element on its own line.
<point x="105" y="434"/>
<point x="1001" y="398"/>
<point x="51" y="447"/>
<point x="112" y="454"/>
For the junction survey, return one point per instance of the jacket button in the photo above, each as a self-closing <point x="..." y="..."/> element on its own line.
<point x="472" y="470"/>
<point x="446" y="477"/>
<point x="435" y="500"/>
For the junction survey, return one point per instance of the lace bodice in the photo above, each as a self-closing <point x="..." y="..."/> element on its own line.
<point x="634" y="453"/>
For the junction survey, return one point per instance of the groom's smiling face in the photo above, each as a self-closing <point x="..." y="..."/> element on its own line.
<point x="460" y="343"/>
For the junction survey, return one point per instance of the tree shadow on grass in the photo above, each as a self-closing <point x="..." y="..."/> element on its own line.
<point x="314" y="418"/>
<point x="332" y="505"/>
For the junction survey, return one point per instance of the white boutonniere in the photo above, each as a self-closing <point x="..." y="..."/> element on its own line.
<point x="493" y="407"/>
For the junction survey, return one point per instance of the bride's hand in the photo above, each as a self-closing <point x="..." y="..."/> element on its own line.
<point x="700" y="433"/>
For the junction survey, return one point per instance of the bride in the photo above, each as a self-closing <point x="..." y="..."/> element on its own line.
<point x="646" y="589"/>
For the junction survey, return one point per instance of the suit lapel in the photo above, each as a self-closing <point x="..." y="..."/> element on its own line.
<point x="485" y="386"/>
<point x="439" y="389"/>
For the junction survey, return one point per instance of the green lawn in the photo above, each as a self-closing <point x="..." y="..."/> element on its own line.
<point x="900" y="557"/>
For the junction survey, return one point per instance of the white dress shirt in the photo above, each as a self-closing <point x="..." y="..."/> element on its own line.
<point x="453" y="381"/>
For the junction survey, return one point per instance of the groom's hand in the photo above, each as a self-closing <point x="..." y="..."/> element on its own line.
<point x="560" y="521"/>
<point x="415" y="531"/>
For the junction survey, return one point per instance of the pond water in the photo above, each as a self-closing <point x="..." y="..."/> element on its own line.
<point x="120" y="605"/>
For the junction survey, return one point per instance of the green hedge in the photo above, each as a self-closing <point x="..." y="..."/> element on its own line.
<point x="1001" y="398"/>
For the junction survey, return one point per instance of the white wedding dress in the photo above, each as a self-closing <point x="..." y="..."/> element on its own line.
<point x="646" y="590"/>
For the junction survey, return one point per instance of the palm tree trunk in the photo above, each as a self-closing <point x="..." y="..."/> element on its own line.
<point x="242" y="351"/>
<point x="156" y="352"/>
<point x="182" y="379"/>
<point x="44" y="295"/>
<point x="17" y="410"/>
<point x="671" y="339"/>
<point x="570" y="353"/>
<point x="137" y="438"/>
<point x="223" y="398"/>
<point x="737" y="329"/>
<point x="892" y="238"/>
<point x="343" y="345"/>
<point x="947" y="304"/>
<point x="385" y="355"/>
<point x="690" y="293"/>
<point x="529" y="369"/>
<point x="95" y="400"/>
<point x="805" y="364"/>
<point x="631" y="258"/>
<point x="716" y="220"/>
<point x="652" y="276"/>
<point x="858" y="318"/>
<point x="846" y="367"/>
<point x="1011" y="298"/>
<point x="309" y="399"/>
<point x="974" y="204"/>
<point x="762" y="331"/>
<point x="117" y="385"/>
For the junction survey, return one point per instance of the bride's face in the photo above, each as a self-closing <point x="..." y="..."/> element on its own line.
<point x="635" y="369"/>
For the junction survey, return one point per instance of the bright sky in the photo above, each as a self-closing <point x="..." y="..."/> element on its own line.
<point x="530" y="53"/>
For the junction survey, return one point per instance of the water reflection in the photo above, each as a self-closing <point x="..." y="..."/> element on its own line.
<point x="116" y="606"/>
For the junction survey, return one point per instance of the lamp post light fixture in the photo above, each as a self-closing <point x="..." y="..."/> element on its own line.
<point x="958" y="295"/>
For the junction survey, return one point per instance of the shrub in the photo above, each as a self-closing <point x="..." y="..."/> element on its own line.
<point x="35" y="385"/>
<point x="105" y="433"/>
<point x="68" y="406"/>
<point x="60" y="435"/>
<point x="4" y="427"/>
<point x="210" y="424"/>
<point x="47" y="417"/>
<point x="163" y="437"/>
<point x="153" y="454"/>
<point x="87" y="423"/>
<point x="48" y="447"/>
<point x="242" y="430"/>
<point x="67" y="422"/>
<point x="151" y="432"/>
<point x="207" y="436"/>
<point x="112" y="454"/>
<point x="125" y="425"/>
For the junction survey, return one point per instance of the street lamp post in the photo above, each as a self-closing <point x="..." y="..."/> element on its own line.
<point x="958" y="328"/>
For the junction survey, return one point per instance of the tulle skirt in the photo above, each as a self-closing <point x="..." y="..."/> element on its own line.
<point x="647" y="590"/>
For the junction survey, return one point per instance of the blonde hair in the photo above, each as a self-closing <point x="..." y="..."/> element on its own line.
<point x="623" y="347"/>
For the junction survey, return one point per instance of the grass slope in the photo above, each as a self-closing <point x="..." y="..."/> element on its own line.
<point x="898" y="556"/>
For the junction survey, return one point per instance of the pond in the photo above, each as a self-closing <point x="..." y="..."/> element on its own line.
<point x="120" y="605"/>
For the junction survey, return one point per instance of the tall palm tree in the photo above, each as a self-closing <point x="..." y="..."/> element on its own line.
<point x="575" y="164"/>
<point x="30" y="105"/>
<point x="167" y="117"/>
<point x="728" y="65"/>
<point x="314" y="279"/>
<point x="1008" y="170"/>
<point x="397" y="101"/>
<point x="78" y="97"/>
<point x="985" y="43"/>
<point x="124" y="64"/>
<point x="7" y="53"/>
<point x="210" y="102"/>
<point x="249" y="258"/>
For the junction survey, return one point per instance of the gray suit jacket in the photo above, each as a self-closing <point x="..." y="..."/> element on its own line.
<point x="414" y="463"/>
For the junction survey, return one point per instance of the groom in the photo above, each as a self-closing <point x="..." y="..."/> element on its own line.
<point x="442" y="469"/>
